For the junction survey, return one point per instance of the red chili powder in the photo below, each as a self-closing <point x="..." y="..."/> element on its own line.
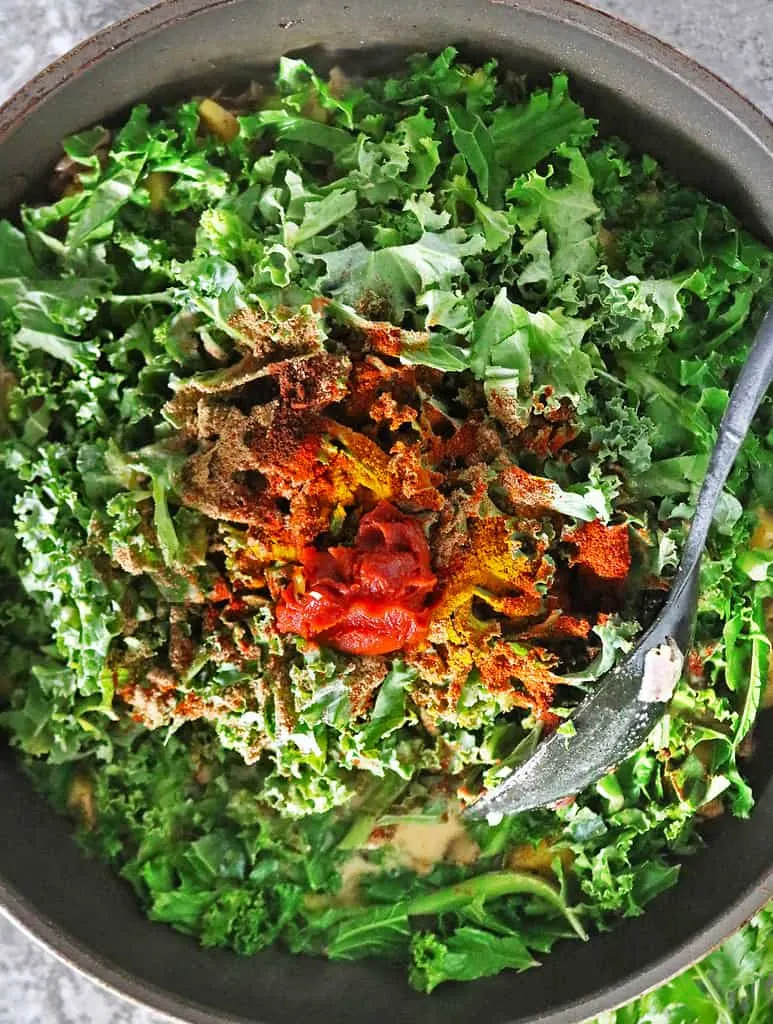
<point x="527" y="492"/>
<point x="503" y="669"/>
<point x="602" y="550"/>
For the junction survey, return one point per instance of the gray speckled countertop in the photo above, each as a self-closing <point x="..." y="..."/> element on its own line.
<point x="731" y="37"/>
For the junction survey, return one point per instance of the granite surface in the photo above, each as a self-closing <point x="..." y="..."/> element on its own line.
<point x="732" y="37"/>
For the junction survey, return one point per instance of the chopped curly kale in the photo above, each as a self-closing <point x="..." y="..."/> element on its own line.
<point x="731" y="985"/>
<point x="254" y="788"/>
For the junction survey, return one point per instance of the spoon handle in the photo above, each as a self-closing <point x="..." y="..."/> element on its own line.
<point x="750" y="387"/>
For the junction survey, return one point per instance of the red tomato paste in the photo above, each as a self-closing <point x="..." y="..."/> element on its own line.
<point x="370" y="598"/>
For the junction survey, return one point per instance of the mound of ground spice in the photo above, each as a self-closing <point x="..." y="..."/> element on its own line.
<point x="601" y="550"/>
<point x="489" y="565"/>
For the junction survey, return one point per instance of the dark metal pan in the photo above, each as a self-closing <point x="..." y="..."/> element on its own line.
<point x="640" y="88"/>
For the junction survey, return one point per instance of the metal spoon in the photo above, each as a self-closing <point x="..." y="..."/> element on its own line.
<point x="629" y="699"/>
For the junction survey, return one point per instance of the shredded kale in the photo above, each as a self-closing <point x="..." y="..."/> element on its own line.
<point x="731" y="986"/>
<point x="520" y="258"/>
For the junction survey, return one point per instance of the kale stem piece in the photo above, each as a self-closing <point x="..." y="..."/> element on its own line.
<point x="491" y="886"/>
<point x="380" y="797"/>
